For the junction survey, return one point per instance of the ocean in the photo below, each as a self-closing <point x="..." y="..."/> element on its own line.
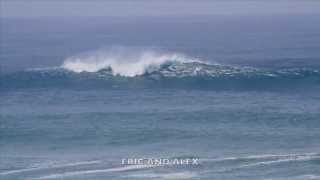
<point x="85" y="98"/>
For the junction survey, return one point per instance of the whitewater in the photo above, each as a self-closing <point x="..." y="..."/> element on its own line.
<point x="122" y="61"/>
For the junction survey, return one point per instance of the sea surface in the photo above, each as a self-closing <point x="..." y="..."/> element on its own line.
<point x="81" y="96"/>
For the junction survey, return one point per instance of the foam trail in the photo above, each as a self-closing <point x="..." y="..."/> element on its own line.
<point x="299" y="177"/>
<point x="269" y="160"/>
<point x="261" y="157"/>
<point x="124" y="62"/>
<point x="178" y="175"/>
<point x="76" y="173"/>
<point x="48" y="167"/>
<point x="298" y="158"/>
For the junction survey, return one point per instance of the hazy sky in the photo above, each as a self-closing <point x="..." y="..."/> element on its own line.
<point x="35" y="8"/>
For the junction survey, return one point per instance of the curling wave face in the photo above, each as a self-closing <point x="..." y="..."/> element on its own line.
<point x="149" y="69"/>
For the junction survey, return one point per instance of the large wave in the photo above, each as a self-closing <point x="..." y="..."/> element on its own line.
<point x="121" y="61"/>
<point x="118" y="68"/>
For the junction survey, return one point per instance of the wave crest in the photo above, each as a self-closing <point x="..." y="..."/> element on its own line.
<point x="122" y="61"/>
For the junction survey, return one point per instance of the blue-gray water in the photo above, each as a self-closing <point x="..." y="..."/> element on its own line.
<point x="239" y="93"/>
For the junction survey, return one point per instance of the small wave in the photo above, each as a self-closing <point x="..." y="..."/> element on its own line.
<point x="96" y="171"/>
<point x="263" y="160"/>
<point x="262" y="157"/>
<point x="299" y="177"/>
<point x="288" y="159"/>
<point x="49" y="167"/>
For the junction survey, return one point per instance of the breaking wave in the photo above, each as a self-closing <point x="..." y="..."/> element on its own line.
<point x="119" y="69"/>
<point x="122" y="61"/>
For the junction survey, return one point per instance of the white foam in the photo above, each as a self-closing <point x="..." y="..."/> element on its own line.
<point x="122" y="61"/>
<point x="178" y="175"/>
